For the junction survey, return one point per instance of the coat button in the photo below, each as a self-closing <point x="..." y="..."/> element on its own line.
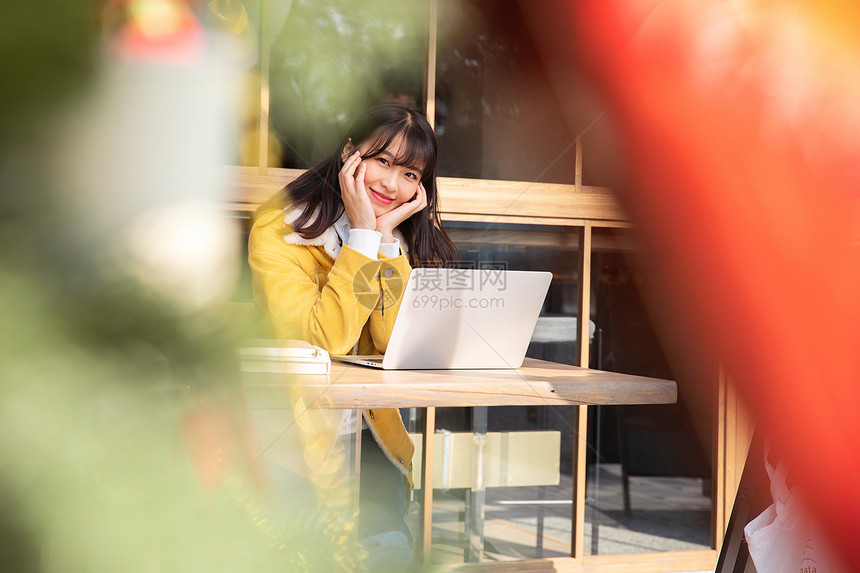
<point x="388" y="273"/>
<point x="370" y="413"/>
<point x="401" y="460"/>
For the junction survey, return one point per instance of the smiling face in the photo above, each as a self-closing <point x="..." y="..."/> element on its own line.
<point x="388" y="183"/>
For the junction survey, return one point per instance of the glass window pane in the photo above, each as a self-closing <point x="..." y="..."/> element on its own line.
<point x="648" y="484"/>
<point x="526" y="499"/>
<point x="331" y="60"/>
<point x="240" y="21"/>
<point x="601" y="157"/>
<point x="248" y="136"/>
<point x="497" y="116"/>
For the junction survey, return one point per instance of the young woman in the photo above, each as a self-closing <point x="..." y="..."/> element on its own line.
<point x="330" y="255"/>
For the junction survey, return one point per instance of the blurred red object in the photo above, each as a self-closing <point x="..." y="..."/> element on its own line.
<point x="739" y="132"/>
<point x="162" y="32"/>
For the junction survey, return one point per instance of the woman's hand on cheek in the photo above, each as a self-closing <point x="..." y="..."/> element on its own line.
<point x="386" y="223"/>
<point x="354" y="195"/>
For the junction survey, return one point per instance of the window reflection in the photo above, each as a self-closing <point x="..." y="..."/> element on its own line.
<point x="648" y="484"/>
<point x="331" y="60"/>
<point x="527" y="514"/>
<point x="497" y="116"/>
<point x="648" y="471"/>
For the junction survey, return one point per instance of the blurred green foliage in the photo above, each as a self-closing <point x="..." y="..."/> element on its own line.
<point x="46" y="57"/>
<point x="94" y="474"/>
<point x="98" y="374"/>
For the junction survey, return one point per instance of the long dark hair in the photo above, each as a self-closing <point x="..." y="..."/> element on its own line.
<point x="318" y="187"/>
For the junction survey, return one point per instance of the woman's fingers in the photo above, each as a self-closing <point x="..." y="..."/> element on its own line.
<point x="347" y="172"/>
<point x="353" y="193"/>
<point x="359" y="179"/>
<point x="391" y="220"/>
<point x="422" y="197"/>
<point x="417" y="204"/>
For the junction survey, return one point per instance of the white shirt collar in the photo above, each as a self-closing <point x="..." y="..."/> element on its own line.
<point x="332" y="238"/>
<point x="342" y="227"/>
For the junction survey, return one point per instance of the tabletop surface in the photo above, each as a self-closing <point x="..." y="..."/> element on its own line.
<point x="537" y="382"/>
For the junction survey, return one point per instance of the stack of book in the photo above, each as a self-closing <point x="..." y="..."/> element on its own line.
<point x="284" y="356"/>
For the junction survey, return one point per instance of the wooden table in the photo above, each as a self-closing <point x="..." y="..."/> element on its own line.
<point x="537" y="382"/>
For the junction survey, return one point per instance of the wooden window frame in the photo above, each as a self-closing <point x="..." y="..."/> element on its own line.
<point x="575" y="206"/>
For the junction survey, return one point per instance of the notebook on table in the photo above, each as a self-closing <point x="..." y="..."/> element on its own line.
<point x="463" y="318"/>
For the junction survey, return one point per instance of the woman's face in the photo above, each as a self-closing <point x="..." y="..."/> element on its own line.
<point x="388" y="185"/>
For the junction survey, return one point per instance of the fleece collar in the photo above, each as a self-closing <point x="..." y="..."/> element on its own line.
<point x="329" y="240"/>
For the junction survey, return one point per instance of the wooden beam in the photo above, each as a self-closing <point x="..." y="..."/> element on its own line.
<point x="719" y="518"/>
<point x="427" y="484"/>
<point x="665" y="562"/>
<point x="524" y="199"/>
<point x="478" y="200"/>
<point x="430" y="75"/>
<point x="580" y="438"/>
<point x="263" y="125"/>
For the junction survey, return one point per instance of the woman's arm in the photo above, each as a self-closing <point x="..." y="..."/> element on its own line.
<point x="393" y="276"/>
<point x="286" y="282"/>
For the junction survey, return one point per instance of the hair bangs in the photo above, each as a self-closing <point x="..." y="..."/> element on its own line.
<point x="416" y="150"/>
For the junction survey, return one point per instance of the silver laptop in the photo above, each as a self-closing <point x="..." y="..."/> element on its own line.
<point x="463" y="318"/>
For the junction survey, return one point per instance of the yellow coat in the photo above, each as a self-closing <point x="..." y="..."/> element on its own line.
<point x="333" y="297"/>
